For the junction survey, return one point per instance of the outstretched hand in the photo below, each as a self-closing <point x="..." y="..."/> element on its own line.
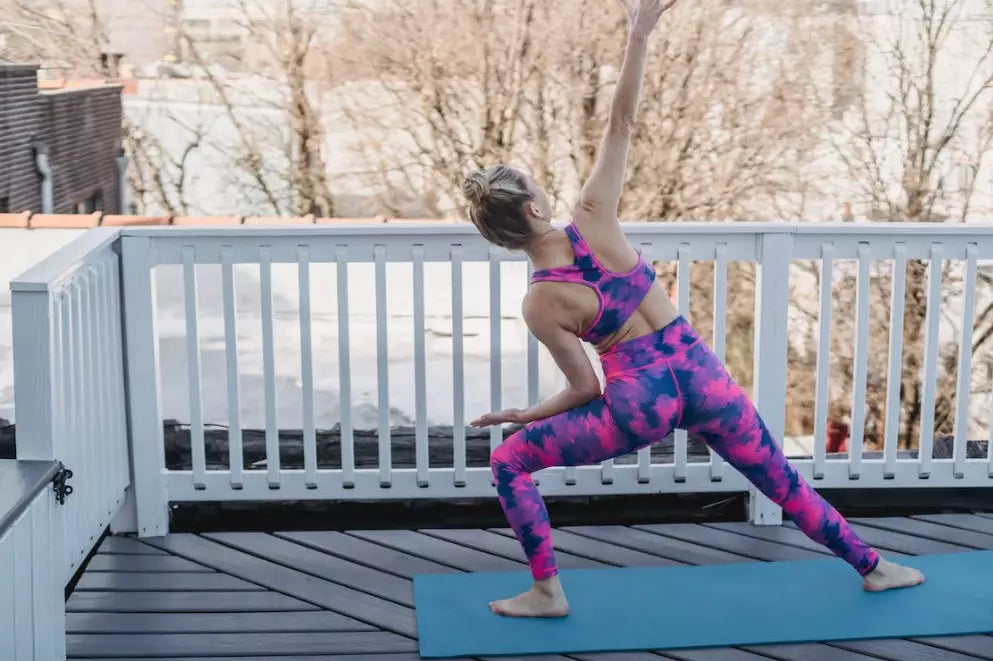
<point x="507" y="415"/>
<point x="644" y="15"/>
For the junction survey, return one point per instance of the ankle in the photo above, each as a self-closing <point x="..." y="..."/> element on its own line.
<point x="550" y="587"/>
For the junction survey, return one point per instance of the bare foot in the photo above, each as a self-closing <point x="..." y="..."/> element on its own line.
<point x="888" y="576"/>
<point x="544" y="599"/>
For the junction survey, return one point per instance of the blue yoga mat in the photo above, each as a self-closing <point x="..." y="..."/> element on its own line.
<point x="658" y="608"/>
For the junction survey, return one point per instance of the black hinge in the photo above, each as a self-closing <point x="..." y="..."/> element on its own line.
<point x="62" y="490"/>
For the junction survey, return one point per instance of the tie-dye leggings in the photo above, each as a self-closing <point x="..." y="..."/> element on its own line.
<point x="655" y="384"/>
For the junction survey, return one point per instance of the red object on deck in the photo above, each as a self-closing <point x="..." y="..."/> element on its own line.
<point x="837" y="436"/>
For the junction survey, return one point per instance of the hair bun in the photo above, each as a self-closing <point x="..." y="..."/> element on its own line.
<point x="476" y="188"/>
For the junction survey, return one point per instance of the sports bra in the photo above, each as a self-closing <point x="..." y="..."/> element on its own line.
<point x="619" y="294"/>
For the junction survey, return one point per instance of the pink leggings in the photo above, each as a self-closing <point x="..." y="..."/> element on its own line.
<point x="655" y="384"/>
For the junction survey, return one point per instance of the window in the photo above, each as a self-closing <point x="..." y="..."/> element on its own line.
<point x="92" y="203"/>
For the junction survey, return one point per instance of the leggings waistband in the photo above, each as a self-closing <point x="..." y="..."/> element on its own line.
<point x="670" y="340"/>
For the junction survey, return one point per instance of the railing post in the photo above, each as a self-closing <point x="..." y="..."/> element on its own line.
<point x="34" y="399"/>
<point x="772" y="296"/>
<point x="142" y="354"/>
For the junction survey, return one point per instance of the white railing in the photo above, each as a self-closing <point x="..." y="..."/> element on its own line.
<point x="32" y="616"/>
<point x="474" y="283"/>
<point x="70" y="391"/>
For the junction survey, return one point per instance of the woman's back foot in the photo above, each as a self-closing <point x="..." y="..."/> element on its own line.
<point x="544" y="599"/>
<point x="890" y="576"/>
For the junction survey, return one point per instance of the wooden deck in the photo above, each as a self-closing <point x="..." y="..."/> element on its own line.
<point x="348" y="596"/>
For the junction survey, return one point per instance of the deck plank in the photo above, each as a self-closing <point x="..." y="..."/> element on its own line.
<point x="969" y="539"/>
<point x="223" y="622"/>
<point x="367" y="553"/>
<point x="903" y="543"/>
<point x="610" y="554"/>
<point x="979" y="646"/>
<point x="808" y="652"/>
<point x="715" y="654"/>
<point x="668" y="547"/>
<point x="315" y="563"/>
<point x="188" y="602"/>
<point x="438" y="550"/>
<point x="146" y="563"/>
<point x="507" y="547"/>
<point x="724" y="540"/>
<point x="126" y="546"/>
<point x="368" y="608"/>
<point x="787" y="535"/>
<point x="182" y="581"/>
<point x="903" y="650"/>
<point x="236" y="644"/>
<point x="963" y="521"/>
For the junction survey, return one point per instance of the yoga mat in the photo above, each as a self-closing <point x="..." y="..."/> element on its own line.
<point x="657" y="608"/>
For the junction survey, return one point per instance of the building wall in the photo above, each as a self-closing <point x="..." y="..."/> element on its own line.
<point x="19" y="122"/>
<point x="82" y="131"/>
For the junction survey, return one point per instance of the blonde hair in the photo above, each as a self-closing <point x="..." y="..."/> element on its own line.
<point x="496" y="199"/>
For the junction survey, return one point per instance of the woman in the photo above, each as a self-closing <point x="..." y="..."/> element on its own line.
<point x="591" y="285"/>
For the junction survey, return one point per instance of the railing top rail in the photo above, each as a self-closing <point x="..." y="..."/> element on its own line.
<point x="20" y="482"/>
<point x="450" y="229"/>
<point x="61" y="264"/>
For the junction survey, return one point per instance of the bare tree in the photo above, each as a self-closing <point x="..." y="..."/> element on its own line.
<point x="920" y="124"/>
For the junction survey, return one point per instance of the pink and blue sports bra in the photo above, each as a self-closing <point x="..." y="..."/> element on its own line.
<point x="620" y="294"/>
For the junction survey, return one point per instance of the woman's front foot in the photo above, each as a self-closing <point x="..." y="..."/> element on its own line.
<point x="545" y="599"/>
<point x="889" y="576"/>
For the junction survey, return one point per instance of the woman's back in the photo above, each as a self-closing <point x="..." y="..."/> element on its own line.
<point x="611" y="292"/>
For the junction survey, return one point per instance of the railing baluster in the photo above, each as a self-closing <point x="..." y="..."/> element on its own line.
<point x="772" y="292"/>
<point x="345" y="371"/>
<point x="24" y="595"/>
<point x="91" y="433"/>
<point x="532" y="355"/>
<point x="496" y="362"/>
<point x="235" y="454"/>
<point x="720" y="334"/>
<point x="894" y="373"/>
<point x="683" y="277"/>
<point x="199" y="457"/>
<point x="49" y="605"/>
<point x="823" y="360"/>
<point x="383" y="371"/>
<point x="80" y="456"/>
<point x="67" y="413"/>
<point x="422" y="457"/>
<point x="458" y="371"/>
<point x="860" y="368"/>
<point x="269" y="370"/>
<point x="645" y="453"/>
<point x="112" y="290"/>
<point x="105" y="375"/>
<point x="8" y="611"/>
<point x="98" y="364"/>
<point x="964" y="386"/>
<point x="307" y="369"/>
<point x="930" y="376"/>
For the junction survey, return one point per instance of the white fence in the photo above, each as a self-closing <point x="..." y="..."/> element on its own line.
<point x="69" y="376"/>
<point x="32" y="616"/>
<point x="772" y="247"/>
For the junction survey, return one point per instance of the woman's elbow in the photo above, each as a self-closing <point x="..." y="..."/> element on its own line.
<point x="587" y="392"/>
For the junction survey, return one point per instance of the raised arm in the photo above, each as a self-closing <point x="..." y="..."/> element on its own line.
<point x="601" y="194"/>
